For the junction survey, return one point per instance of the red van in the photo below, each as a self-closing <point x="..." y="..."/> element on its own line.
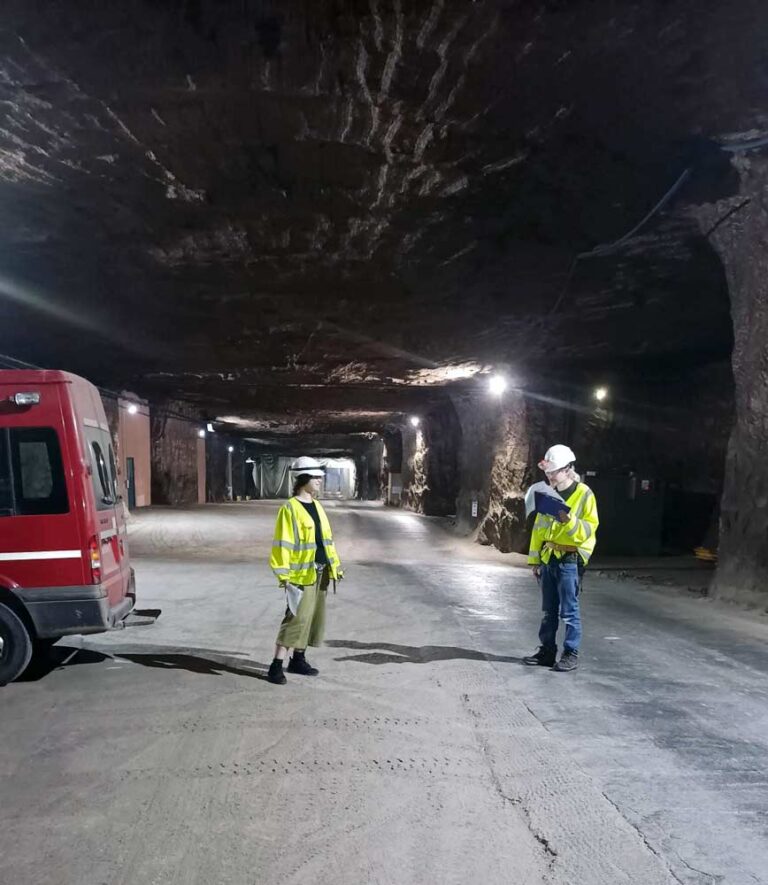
<point x="64" y="565"/>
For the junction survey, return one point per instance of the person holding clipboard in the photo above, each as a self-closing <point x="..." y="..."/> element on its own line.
<point x="562" y="543"/>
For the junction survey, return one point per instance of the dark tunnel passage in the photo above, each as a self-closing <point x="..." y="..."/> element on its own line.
<point x="286" y="229"/>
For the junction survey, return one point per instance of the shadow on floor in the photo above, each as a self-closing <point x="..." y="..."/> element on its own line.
<point x="46" y="660"/>
<point x="413" y="654"/>
<point x="64" y="656"/>
<point x="195" y="664"/>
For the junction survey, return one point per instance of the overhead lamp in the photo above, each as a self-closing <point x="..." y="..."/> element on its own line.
<point x="601" y="393"/>
<point x="133" y="409"/>
<point x="201" y="433"/>
<point x="415" y="420"/>
<point x="209" y="427"/>
<point x="230" y="449"/>
<point x="497" y="384"/>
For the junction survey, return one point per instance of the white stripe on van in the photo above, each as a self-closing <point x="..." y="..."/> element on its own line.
<point x="89" y="422"/>
<point x="41" y="554"/>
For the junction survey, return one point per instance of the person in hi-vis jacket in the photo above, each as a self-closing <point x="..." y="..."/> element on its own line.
<point x="305" y="561"/>
<point x="561" y="547"/>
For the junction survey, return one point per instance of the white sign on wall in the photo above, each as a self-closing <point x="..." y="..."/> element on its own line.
<point x="474" y="509"/>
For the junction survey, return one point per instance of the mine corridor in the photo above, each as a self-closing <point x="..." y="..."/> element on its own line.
<point x="383" y="442"/>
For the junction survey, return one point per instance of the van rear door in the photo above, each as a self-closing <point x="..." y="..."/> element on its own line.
<point x="40" y="542"/>
<point x="105" y="538"/>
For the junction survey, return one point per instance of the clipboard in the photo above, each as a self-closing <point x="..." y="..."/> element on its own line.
<point x="549" y="505"/>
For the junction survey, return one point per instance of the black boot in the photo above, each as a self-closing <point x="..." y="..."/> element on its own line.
<point x="569" y="660"/>
<point x="544" y="657"/>
<point x="275" y="674"/>
<point x="300" y="665"/>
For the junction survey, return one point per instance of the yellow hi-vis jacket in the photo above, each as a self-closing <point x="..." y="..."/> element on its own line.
<point x="294" y="545"/>
<point x="579" y="531"/>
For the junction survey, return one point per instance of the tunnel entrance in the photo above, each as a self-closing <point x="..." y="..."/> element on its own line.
<point x="340" y="479"/>
<point x="269" y="477"/>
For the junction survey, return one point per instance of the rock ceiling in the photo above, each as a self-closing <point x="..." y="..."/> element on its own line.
<point x="315" y="215"/>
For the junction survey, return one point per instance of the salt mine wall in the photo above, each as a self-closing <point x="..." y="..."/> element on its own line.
<point x="738" y="228"/>
<point x="174" y="453"/>
<point x="475" y="456"/>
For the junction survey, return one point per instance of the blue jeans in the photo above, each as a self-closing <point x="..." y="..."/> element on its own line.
<point x="560" y="599"/>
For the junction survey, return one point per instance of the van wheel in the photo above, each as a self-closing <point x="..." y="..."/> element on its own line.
<point x="15" y="645"/>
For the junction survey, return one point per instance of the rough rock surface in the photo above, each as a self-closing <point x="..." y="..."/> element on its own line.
<point x="414" y="469"/>
<point x="314" y="219"/>
<point x="739" y="229"/>
<point x="174" y="454"/>
<point x="674" y="432"/>
<point x="331" y="202"/>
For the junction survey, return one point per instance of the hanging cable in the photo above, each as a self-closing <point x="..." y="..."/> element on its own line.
<point x="607" y="248"/>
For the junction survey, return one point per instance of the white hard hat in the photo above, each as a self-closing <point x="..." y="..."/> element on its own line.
<point x="557" y="457"/>
<point x="307" y="467"/>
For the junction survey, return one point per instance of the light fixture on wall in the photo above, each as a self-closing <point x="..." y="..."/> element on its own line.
<point x="415" y="420"/>
<point x="601" y="394"/>
<point x="209" y="427"/>
<point x="201" y="433"/>
<point x="133" y="409"/>
<point x="497" y="384"/>
<point x="231" y="449"/>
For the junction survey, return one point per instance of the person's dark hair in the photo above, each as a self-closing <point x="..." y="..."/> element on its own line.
<point x="300" y="482"/>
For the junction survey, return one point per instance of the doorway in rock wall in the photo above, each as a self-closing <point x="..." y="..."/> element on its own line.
<point x="130" y="482"/>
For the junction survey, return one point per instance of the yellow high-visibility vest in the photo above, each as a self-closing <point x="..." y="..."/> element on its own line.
<point x="293" y="548"/>
<point x="579" y="531"/>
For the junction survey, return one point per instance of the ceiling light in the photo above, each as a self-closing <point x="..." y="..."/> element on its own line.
<point x="601" y="393"/>
<point x="209" y="427"/>
<point x="231" y="449"/>
<point x="497" y="384"/>
<point x="201" y="433"/>
<point x="133" y="409"/>
<point x="415" y="420"/>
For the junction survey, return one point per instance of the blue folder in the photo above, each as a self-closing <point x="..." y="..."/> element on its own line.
<point x="550" y="506"/>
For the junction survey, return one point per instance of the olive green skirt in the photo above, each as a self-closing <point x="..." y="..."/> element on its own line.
<point x="307" y="626"/>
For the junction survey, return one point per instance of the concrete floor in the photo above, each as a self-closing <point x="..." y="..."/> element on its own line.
<point x="424" y="753"/>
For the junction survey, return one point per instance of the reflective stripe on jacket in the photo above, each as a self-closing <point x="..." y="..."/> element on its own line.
<point x="293" y="548"/>
<point x="579" y="531"/>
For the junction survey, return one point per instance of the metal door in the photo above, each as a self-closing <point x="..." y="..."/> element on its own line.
<point x="130" y="482"/>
